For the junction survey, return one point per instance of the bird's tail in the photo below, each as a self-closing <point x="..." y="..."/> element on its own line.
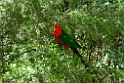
<point x="81" y="58"/>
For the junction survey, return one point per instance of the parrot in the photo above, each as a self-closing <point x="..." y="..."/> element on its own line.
<point x="67" y="41"/>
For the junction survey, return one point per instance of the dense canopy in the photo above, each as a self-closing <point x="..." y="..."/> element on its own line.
<point x="30" y="54"/>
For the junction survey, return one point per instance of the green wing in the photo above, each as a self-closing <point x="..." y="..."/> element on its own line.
<point x="67" y="40"/>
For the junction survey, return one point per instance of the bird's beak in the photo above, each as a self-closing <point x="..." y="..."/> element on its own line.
<point x="53" y="30"/>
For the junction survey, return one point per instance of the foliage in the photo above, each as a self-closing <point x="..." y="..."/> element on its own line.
<point x="29" y="53"/>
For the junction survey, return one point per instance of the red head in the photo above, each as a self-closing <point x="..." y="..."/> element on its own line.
<point x="57" y="30"/>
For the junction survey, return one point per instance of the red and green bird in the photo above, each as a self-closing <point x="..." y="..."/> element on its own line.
<point x="64" y="39"/>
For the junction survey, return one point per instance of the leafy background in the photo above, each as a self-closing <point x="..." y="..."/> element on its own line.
<point x="30" y="54"/>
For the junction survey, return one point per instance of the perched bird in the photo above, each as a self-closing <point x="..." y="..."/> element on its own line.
<point x="64" y="39"/>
